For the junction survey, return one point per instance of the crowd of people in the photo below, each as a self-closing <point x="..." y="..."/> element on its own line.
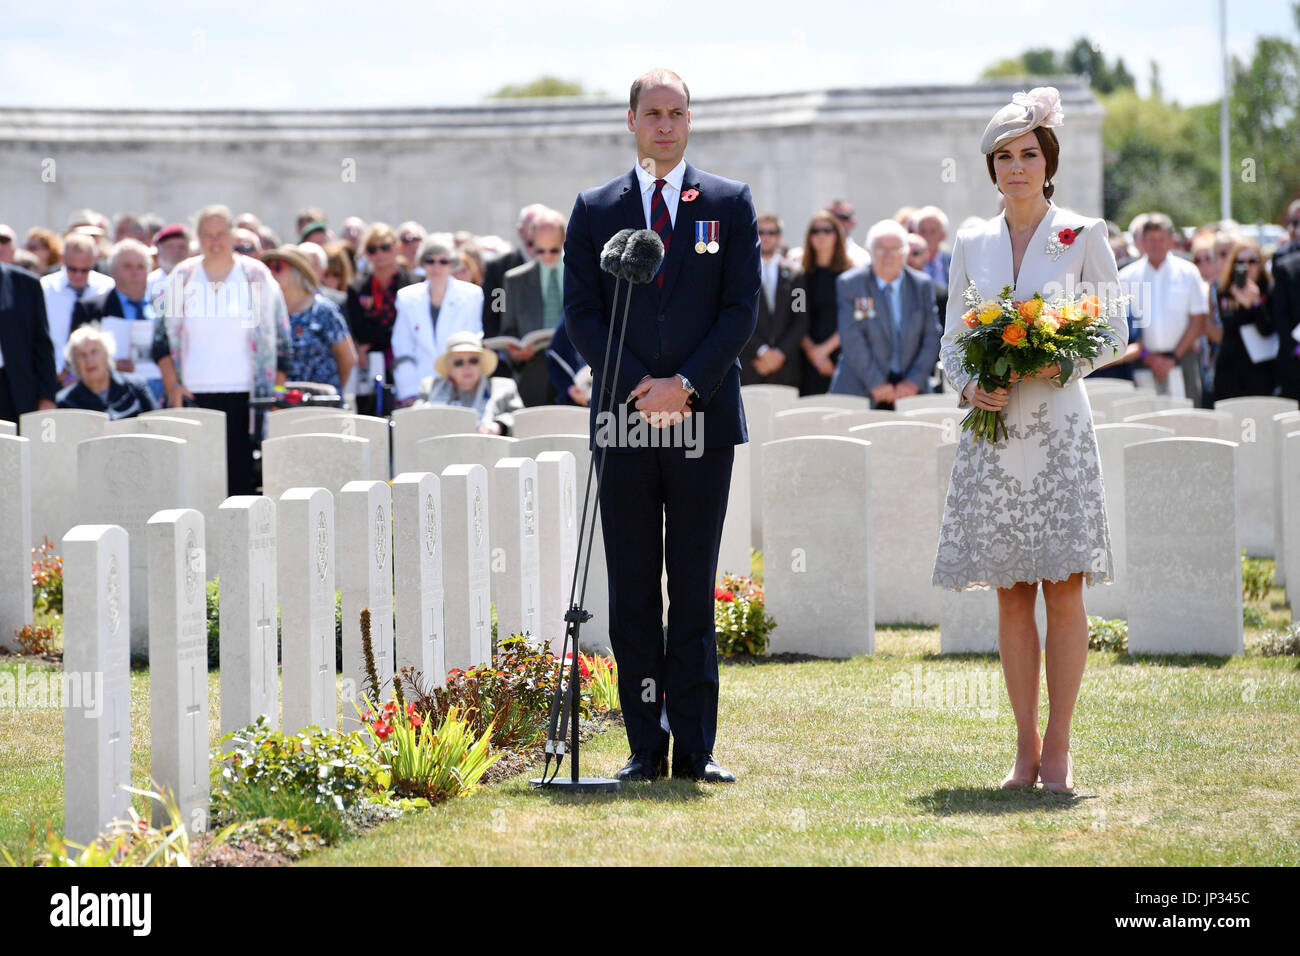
<point x="132" y="314"/>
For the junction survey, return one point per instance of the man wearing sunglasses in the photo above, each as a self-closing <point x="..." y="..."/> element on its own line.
<point x="534" y="300"/>
<point x="63" y="289"/>
<point x="665" y="504"/>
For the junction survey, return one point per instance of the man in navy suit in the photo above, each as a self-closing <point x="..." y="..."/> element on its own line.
<point x="680" y="369"/>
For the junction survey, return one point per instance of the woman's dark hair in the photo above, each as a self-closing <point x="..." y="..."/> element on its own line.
<point x="840" y="261"/>
<point x="1051" y="148"/>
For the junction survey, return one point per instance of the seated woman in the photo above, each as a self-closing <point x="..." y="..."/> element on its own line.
<point x="464" y="377"/>
<point x="99" y="387"/>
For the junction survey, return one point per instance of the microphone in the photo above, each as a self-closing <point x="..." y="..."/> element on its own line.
<point x="612" y="254"/>
<point x="642" y="256"/>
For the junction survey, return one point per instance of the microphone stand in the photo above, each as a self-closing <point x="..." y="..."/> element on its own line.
<point x="566" y="702"/>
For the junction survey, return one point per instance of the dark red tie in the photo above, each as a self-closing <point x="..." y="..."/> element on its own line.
<point x="661" y="223"/>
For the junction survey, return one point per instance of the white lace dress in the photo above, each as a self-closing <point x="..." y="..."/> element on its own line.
<point x="1031" y="507"/>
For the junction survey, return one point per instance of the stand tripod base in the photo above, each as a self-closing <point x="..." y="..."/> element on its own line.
<point x="581" y="785"/>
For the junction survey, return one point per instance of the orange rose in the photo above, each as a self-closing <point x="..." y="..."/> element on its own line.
<point x="1090" y="306"/>
<point x="1030" y="310"/>
<point x="970" y="318"/>
<point x="1014" y="334"/>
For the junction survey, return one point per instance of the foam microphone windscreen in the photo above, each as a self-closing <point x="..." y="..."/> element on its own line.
<point x="611" y="256"/>
<point x="641" y="258"/>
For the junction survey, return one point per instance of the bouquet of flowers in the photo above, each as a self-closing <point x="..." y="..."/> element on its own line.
<point x="1008" y="340"/>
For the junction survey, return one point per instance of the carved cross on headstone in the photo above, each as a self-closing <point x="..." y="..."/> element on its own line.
<point x="264" y="625"/>
<point x="324" y="653"/>
<point x="199" y="728"/>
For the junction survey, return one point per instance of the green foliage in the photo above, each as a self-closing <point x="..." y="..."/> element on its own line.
<point x="740" y="618"/>
<point x="426" y="761"/>
<point x="1083" y="58"/>
<point x="1280" y="643"/>
<point x="543" y="86"/>
<point x="1256" y="577"/>
<point x="1104" y="635"/>
<point x="1252" y="617"/>
<point x="511" y="699"/>
<point x="301" y="811"/>
<point x="133" y="841"/>
<point x="600" y="675"/>
<point x="326" y="766"/>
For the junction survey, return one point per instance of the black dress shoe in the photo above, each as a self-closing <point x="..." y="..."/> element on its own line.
<point x="644" y="765"/>
<point x="701" y="766"/>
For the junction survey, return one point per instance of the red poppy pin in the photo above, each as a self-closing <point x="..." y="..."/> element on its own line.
<point x="690" y="195"/>
<point x="1058" y="242"/>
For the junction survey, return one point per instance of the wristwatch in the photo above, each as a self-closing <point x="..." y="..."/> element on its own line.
<point x="686" y="384"/>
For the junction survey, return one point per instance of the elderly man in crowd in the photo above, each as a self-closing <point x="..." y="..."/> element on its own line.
<point x="1169" y="305"/>
<point x="171" y="245"/>
<point x="127" y="312"/>
<point x="772" y="356"/>
<point x="494" y="270"/>
<point x="888" y="323"/>
<point x="63" y="289"/>
<point x="932" y="225"/>
<point x="409" y="236"/>
<point x="97" y="386"/>
<point x="534" y="300"/>
<point x="27" y="381"/>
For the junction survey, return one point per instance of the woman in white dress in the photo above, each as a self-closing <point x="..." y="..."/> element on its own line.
<point x="1030" y="508"/>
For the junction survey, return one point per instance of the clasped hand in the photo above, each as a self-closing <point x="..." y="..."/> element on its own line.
<point x="662" y="401"/>
<point x="997" y="399"/>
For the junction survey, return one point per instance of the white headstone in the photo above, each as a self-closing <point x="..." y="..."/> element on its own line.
<point x="375" y="430"/>
<point x="1142" y="404"/>
<point x="54" y="436"/>
<point x="8" y="428"/>
<point x="926" y="400"/>
<point x="949" y="419"/>
<point x="1184" y="552"/>
<point x="365" y="576"/>
<point x="1252" y="427"/>
<point x="904" y="483"/>
<point x="190" y="432"/>
<point x="244" y="534"/>
<point x="801" y="420"/>
<point x="1095" y="386"/>
<point x="594" y="635"/>
<point x="551" y="420"/>
<point x="1189" y="423"/>
<point x="124" y="480"/>
<point x="178" y="664"/>
<point x="852" y="403"/>
<point x="839" y="423"/>
<point x="516" y="548"/>
<point x="1291" y="507"/>
<point x="817" y="567"/>
<point x="305" y="571"/>
<point x="781" y="396"/>
<point x="280" y="420"/>
<point x="15" y="537"/>
<point x="96" y="661"/>
<point x="1283" y="425"/>
<point x="410" y="425"/>
<point x="417" y="576"/>
<point x="467" y="592"/>
<point x="760" y="409"/>
<point x="316" y="460"/>
<point x="1110" y="600"/>
<point x="557" y="492"/>
<point x="438" y="453"/>
<point x="212" y="481"/>
<point x="733" y="552"/>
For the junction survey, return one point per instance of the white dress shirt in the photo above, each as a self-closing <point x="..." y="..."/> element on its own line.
<point x="60" y="298"/>
<point x="672" y="190"/>
<point x="1164" y="299"/>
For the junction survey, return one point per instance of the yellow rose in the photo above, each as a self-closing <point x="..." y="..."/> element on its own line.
<point x="1070" y="313"/>
<point x="989" y="311"/>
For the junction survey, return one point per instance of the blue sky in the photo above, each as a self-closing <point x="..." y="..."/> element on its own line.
<point x="323" y="54"/>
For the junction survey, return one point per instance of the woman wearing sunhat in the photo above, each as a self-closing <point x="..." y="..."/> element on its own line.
<point x="464" y="377"/>
<point x="322" y="348"/>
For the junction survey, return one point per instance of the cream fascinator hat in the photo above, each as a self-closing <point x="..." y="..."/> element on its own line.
<point x="1041" y="106"/>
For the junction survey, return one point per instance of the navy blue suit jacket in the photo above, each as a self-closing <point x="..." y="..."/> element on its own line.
<point x="696" y="324"/>
<point x="25" y="339"/>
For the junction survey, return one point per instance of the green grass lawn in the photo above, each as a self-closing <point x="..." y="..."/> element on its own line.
<point x="893" y="758"/>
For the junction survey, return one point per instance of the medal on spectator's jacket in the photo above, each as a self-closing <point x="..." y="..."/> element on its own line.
<point x="864" y="307"/>
<point x="707" y="232"/>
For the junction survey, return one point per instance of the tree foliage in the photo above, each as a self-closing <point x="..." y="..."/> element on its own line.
<point x="542" y="86"/>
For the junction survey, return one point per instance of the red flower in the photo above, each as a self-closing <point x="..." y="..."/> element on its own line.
<point x="583" y="668"/>
<point x="1067" y="237"/>
<point x="416" y="720"/>
<point x="690" y="195"/>
<point x="383" y="730"/>
<point x="721" y="595"/>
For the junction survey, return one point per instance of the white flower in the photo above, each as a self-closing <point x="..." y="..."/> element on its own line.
<point x="1043" y="104"/>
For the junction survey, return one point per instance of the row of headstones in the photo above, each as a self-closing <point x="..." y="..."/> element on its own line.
<point x="879" y="493"/>
<point x="391" y="555"/>
<point x="776" y="412"/>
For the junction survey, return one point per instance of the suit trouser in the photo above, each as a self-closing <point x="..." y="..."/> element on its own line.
<point x="8" y="408"/>
<point x="658" y="504"/>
